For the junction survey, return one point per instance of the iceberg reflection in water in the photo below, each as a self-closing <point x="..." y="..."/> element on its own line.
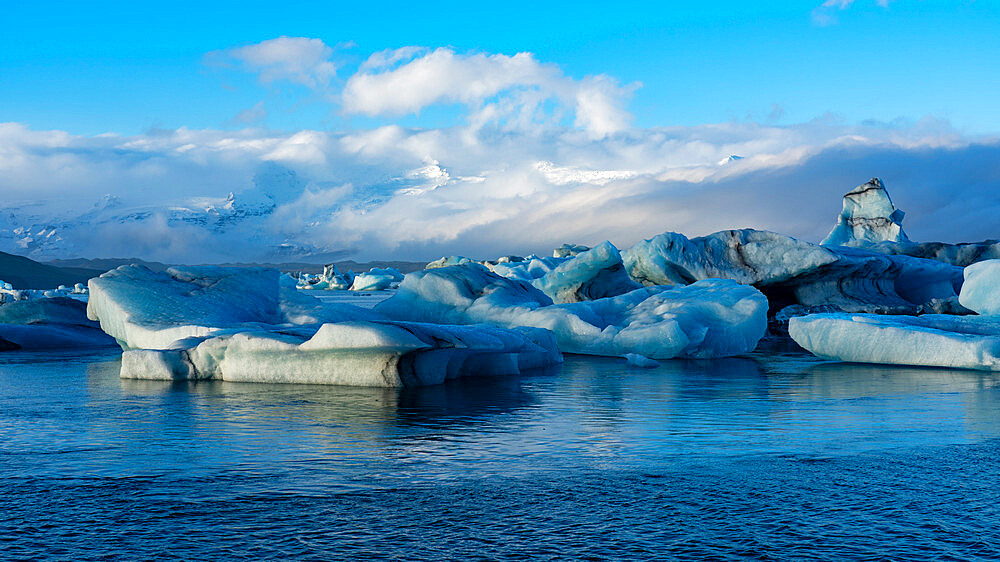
<point x="779" y="455"/>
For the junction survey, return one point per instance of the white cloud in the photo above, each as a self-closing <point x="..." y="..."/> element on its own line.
<point x="393" y="192"/>
<point x="496" y="87"/>
<point x="300" y="60"/>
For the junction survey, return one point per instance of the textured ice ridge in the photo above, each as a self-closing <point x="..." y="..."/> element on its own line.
<point x="711" y="318"/>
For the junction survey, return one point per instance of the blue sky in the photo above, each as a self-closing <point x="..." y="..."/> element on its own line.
<point x="95" y="67"/>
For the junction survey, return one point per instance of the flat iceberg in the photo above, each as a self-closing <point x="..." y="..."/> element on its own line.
<point x="349" y="353"/>
<point x="938" y="340"/>
<point x="710" y="318"/>
<point x="192" y="323"/>
<point x="968" y="342"/>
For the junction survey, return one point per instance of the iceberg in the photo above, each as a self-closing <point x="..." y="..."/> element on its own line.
<point x="9" y="294"/>
<point x="569" y="250"/>
<point x="791" y="271"/>
<point x="527" y="269"/>
<point x="937" y="340"/>
<point x="710" y="318"/>
<point x="49" y="323"/>
<point x="331" y="279"/>
<point x="869" y="220"/>
<point x="592" y="274"/>
<point x="868" y="217"/>
<point x="385" y="354"/>
<point x="981" y="291"/>
<point x="377" y="280"/>
<point x="196" y="323"/>
<point x="448" y="261"/>
<point x="968" y="342"/>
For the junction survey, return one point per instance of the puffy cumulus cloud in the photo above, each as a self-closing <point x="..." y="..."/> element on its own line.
<point x="300" y="60"/>
<point x="496" y="87"/>
<point x="393" y="192"/>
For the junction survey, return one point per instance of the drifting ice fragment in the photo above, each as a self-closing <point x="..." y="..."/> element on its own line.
<point x="636" y="360"/>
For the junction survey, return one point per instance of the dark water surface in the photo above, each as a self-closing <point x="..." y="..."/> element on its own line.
<point x="770" y="457"/>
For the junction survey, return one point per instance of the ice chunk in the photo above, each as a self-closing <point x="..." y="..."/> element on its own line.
<point x="448" y="261"/>
<point x="569" y="250"/>
<point x="968" y="342"/>
<point x="377" y="279"/>
<point x="371" y="282"/>
<point x="591" y="274"/>
<point x="981" y="290"/>
<point x="636" y="360"/>
<point x="528" y="269"/>
<point x="711" y="318"/>
<point x="868" y="217"/>
<point x="49" y="323"/>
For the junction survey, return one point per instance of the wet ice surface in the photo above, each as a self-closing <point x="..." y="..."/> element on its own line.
<point x="775" y="456"/>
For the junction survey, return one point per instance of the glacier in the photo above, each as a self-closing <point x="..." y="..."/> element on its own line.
<point x="252" y="324"/>
<point x="710" y="318"/>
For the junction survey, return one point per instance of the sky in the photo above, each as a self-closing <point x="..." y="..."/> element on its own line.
<point x="416" y="129"/>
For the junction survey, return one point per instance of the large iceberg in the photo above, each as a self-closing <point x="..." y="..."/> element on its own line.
<point x="711" y="318"/>
<point x="970" y="342"/>
<point x="253" y="325"/>
<point x="868" y="217"/>
<point x="791" y="271"/>
<point x="49" y="323"/>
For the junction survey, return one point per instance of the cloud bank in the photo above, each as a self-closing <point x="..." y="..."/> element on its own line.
<point x="539" y="159"/>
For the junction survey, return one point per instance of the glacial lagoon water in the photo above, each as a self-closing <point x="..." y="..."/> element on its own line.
<point x="770" y="456"/>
